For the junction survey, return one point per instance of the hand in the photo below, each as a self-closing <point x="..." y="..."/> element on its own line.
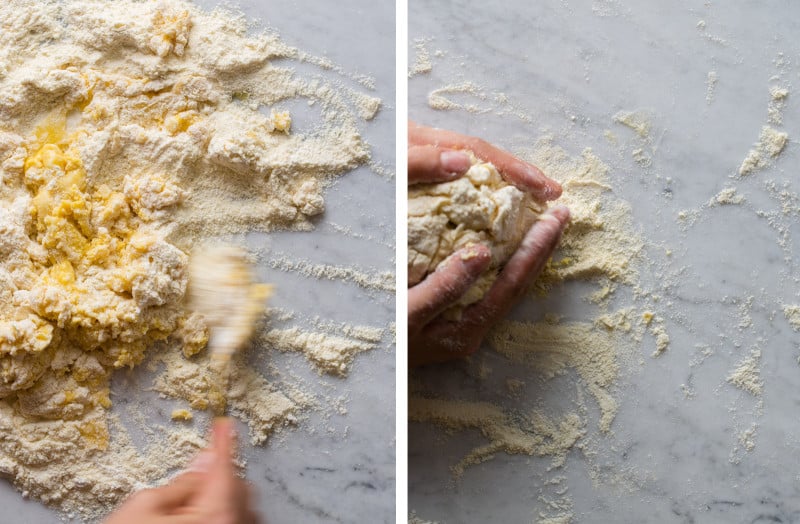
<point x="434" y="156"/>
<point x="208" y="493"/>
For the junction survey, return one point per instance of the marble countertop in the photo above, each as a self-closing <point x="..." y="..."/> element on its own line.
<point x="332" y="467"/>
<point x="702" y="71"/>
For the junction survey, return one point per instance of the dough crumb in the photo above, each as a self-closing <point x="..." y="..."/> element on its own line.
<point x="181" y="414"/>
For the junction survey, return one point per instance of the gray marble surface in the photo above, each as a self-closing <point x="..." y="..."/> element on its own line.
<point x="674" y="453"/>
<point x="332" y="468"/>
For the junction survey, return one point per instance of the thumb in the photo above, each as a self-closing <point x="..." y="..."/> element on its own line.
<point x="447" y="284"/>
<point x="428" y="163"/>
<point x="220" y="482"/>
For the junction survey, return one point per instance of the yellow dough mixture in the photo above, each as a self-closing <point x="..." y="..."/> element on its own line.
<point x="128" y="130"/>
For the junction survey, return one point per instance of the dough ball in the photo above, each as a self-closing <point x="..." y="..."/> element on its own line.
<point x="478" y="208"/>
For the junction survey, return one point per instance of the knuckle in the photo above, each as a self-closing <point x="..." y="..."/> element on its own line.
<point x="474" y="142"/>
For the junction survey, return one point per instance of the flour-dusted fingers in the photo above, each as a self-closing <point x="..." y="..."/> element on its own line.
<point x="442" y="341"/>
<point x="524" y="266"/>
<point x="523" y="175"/>
<point x="428" y="164"/>
<point x="444" y="286"/>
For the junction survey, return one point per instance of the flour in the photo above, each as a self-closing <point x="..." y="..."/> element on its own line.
<point x="383" y="281"/>
<point x="747" y="438"/>
<point x="485" y="101"/>
<point x="249" y="395"/>
<point x="437" y="98"/>
<point x="131" y="131"/>
<point x="414" y="519"/>
<point x="552" y="348"/>
<point x="478" y="208"/>
<point x="792" y="314"/>
<point x="532" y="435"/>
<point x="598" y="242"/>
<point x="726" y="197"/>
<point x="662" y="339"/>
<point x="422" y="60"/>
<point x="639" y="121"/>
<point x="778" y="96"/>
<point x="711" y="84"/>
<point x="770" y="144"/>
<point x="329" y="353"/>
<point x="59" y="463"/>
<point x="747" y="374"/>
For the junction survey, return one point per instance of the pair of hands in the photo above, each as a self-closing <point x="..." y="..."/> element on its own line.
<point x="209" y="492"/>
<point x="436" y="155"/>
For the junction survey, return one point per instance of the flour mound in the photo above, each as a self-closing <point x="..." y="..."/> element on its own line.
<point x="478" y="208"/>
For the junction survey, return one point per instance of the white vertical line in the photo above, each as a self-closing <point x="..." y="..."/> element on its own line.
<point x="401" y="253"/>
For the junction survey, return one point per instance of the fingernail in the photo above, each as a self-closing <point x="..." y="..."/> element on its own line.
<point x="551" y="190"/>
<point x="560" y="213"/>
<point x="554" y="190"/>
<point x="455" y="161"/>
<point x="202" y="462"/>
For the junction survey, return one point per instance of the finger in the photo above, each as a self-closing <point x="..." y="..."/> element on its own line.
<point x="445" y="285"/>
<point x="524" y="266"/>
<point x="177" y="492"/>
<point x="427" y="164"/>
<point x="523" y="175"/>
<point x="202" y="462"/>
<point x="221" y="477"/>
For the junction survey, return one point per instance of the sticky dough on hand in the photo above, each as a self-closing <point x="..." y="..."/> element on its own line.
<point x="478" y="208"/>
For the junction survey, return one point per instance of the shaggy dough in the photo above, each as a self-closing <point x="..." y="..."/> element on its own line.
<point x="478" y="208"/>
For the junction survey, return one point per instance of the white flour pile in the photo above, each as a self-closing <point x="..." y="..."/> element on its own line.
<point x="128" y="130"/>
